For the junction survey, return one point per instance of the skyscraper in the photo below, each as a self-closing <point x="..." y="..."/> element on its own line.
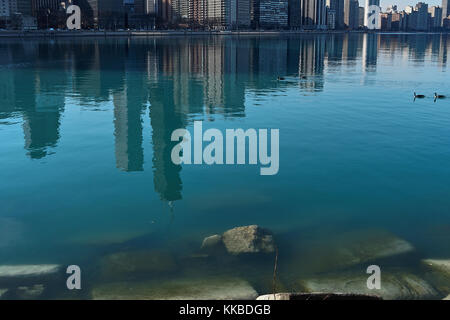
<point x="436" y="16"/>
<point x="367" y="12"/>
<point x="445" y="10"/>
<point x="338" y="7"/>
<point x="422" y="16"/>
<point x="313" y="14"/>
<point x="351" y="13"/>
<point x="273" y="13"/>
<point x="294" y="19"/>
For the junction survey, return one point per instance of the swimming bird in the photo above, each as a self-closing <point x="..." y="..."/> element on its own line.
<point x="280" y="78"/>
<point x="418" y="96"/>
<point x="438" y="96"/>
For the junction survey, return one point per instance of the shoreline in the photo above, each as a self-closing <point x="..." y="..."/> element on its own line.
<point x="161" y="33"/>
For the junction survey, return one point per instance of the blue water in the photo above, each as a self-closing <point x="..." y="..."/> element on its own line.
<point x="85" y="129"/>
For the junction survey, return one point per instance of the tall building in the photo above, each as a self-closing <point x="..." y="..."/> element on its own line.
<point x="294" y="18"/>
<point x="368" y="13"/>
<point x="351" y="14"/>
<point x="338" y="7"/>
<point x="422" y="16"/>
<point x="273" y="13"/>
<point x="198" y="12"/>
<point x="313" y="14"/>
<point x="361" y="17"/>
<point x="436" y="17"/>
<point x="218" y="13"/>
<point x="240" y="13"/>
<point x="445" y="10"/>
<point x="24" y="7"/>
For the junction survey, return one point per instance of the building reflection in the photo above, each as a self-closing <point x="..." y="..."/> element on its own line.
<point x="175" y="81"/>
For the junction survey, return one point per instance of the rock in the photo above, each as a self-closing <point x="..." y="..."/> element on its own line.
<point x="33" y="292"/>
<point x="212" y="241"/>
<point x="131" y="263"/>
<point x="3" y="292"/>
<point x="393" y="285"/>
<point x="439" y="273"/>
<point x="439" y="265"/>
<point x="317" y="296"/>
<point x="208" y="288"/>
<point x="10" y="271"/>
<point x="447" y="297"/>
<point x="345" y="250"/>
<point x="248" y="239"/>
<point x="26" y="275"/>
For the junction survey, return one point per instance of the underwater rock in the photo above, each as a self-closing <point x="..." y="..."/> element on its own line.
<point x="33" y="292"/>
<point x="439" y="273"/>
<point x="131" y="263"/>
<point x="394" y="286"/>
<point x="3" y="292"/>
<point x="209" y="288"/>
<point x="317" y="296"/>
<point x="248" y="239"/>
<point x="439" y="265"/>
<point x="340" y="251"/>
<point x="213" y="241"/>
<point x="12" y="271"/>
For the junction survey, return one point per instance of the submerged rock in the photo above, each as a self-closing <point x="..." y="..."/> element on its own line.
<point x="212" y="242"/>
<point x="439" y="265"/>
<point x="3" y="292"/>
<point x="131" y="263"/>
<point x="212" y="288"/>
<point x="12" y="271"/>
<point x="393" y="285"/>
<point x="33" y="292"/>
<point x="317" y="296"/>
<point x="341" y="251"/>
<point x="248" y="239"/>
<point x="439" y="273"/>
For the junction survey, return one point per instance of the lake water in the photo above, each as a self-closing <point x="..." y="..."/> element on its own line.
<point x="85" y="166"/>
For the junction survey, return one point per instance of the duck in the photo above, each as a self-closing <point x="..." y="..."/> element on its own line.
<point x="280" y="78"/>
<point x="418" y="96"/>
<point x="438" y="96"/>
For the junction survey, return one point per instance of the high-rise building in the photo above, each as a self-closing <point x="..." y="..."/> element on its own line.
<point x="294" y="19"/>
<point x="361" y="17"/>
<point x="422" y="16"/>
<point x="351" y="13"/>
<point x="198" y="12"/>
<point x="368" y="13"/>
<point x="338" y="7"/>
<point x="445" y="10"/>
<point x="24" y="7"/>
<point x="218" y="13"/>
<point x="313" y="14"/>
<point x="273" y="13"/>
<point x="240" y="13"/>
<point x="331" y="19"/>
<point x="436" y="17"/>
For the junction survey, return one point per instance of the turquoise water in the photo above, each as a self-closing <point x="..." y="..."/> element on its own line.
<point x="85" y="127"/>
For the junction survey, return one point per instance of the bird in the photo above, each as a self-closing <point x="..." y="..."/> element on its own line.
<point x="280" y="78"/>
<point x="418" y="96"/>
<point x="438" y="96"/>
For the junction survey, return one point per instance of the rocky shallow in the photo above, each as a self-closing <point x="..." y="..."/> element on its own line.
<point x="238" y="264"/>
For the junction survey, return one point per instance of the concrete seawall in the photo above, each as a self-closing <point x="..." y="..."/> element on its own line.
<point x="160" y="33"/>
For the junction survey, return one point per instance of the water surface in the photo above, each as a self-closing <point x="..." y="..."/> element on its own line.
<point x="85" y="127"/>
